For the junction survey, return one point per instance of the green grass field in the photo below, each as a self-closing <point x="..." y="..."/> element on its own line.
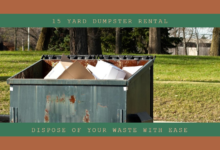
<point x="186" y="88"/>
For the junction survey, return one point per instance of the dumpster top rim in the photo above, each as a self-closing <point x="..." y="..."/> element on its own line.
<point x="94" y="57"/>
<point x="67" y="82"/>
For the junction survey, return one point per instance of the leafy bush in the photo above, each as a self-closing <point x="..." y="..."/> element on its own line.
<point x="60" y="40"/>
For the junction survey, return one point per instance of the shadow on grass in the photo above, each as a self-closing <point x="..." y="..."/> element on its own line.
<point x="188" y="81"/>
<point x="18" y="54"/>
<point x="188" y="57"/>
<point x="178" y="63"/>
<point x="4" y="78"/>
<point x="19" y="61"/>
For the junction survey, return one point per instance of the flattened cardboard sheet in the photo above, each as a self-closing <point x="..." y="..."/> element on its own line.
<point x="76" y="71"/>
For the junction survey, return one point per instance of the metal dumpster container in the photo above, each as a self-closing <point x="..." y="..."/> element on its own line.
<point x="37" y="100"/>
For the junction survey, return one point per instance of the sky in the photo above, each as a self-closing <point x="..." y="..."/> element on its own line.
<point x="207" y="32"/>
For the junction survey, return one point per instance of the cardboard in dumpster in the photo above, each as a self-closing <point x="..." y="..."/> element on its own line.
<point x="104" y="70"/>
<point x="66" y="69"/>
<point x="130" y="70"/>
<point x="59" y="68"/>
<point x="92" y="69"/>
<point x="76" y="71"/>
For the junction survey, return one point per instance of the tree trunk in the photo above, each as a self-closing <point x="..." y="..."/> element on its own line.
<point x="94" y="41"/>
<point x="178" y="43"/>
<point x="78" y="41"/>
<point x="118" y="41"/>
<point x="184" y="41"/>
<point x="44" y="39"/>
<point x="197" y="41"/>
<point x="197" y="47"/>
<point x="154" y="41"/>
<point x="15" y="38"/>
<point x="214" y="50"/>
<point x="176" y="48"/>
<point x="22" y="44"/>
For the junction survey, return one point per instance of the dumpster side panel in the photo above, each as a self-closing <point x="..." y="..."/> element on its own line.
<point x="139" y="94"/>
<point x="17" y="95"/>
<point x="56" y="103"/>
<point x="34" y="71"/>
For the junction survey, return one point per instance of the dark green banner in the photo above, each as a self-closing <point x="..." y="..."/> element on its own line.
<point x="110" y="129"/>
<point x="110" y="20"/>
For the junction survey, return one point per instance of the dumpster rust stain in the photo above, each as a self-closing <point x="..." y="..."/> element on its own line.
<point x="72" y="99"/>
<point x="142" y="62"/>
<point x="86" y="62"/>
<point x="48" y="98"/>
<point x="51" y="62"/>
<point x="62" y="99"/>
<point x="46" y="118"/>
<point x="92" y="62"/>
<point x="102" y="106"/>
<point x="127" y="63"/>
<point x="57" y="99"/>
<point x="86" y="117"/>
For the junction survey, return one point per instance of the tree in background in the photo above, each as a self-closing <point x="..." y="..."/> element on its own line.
<point x="129" y="37"/>
<point x="78" y="41"/>
<point x="185" y="34"/>
<point x="190" y="33"/>
<point x="8" y="35"/>
<point x="154" y="41"/>
<point x="176" y="33"/>
<point x="108" y="39"/>
<point x="15" y="38"/>
<point x="118" y="41"/>
<point x="197" y="40"/>
<point x="44" y="39"/>
<point x="34" y="35"/>
<point x="94" y="41"/>
<point x="136" y="40"/>
<point x="60" y="40"/>
<point x="140" y="40"/>
<point x="160" y="41"/>
<point x="193" y="35"/>
<point x="203" y="37"/>
<point x="214" y="50"/>
<point x="1" y="43"/>
<point x="167" y="41"/>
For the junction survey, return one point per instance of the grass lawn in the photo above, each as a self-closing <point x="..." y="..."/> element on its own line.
<point x="187" y="102"/>
<point x="186" y="88"/>
<point x="187" y="68"/>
